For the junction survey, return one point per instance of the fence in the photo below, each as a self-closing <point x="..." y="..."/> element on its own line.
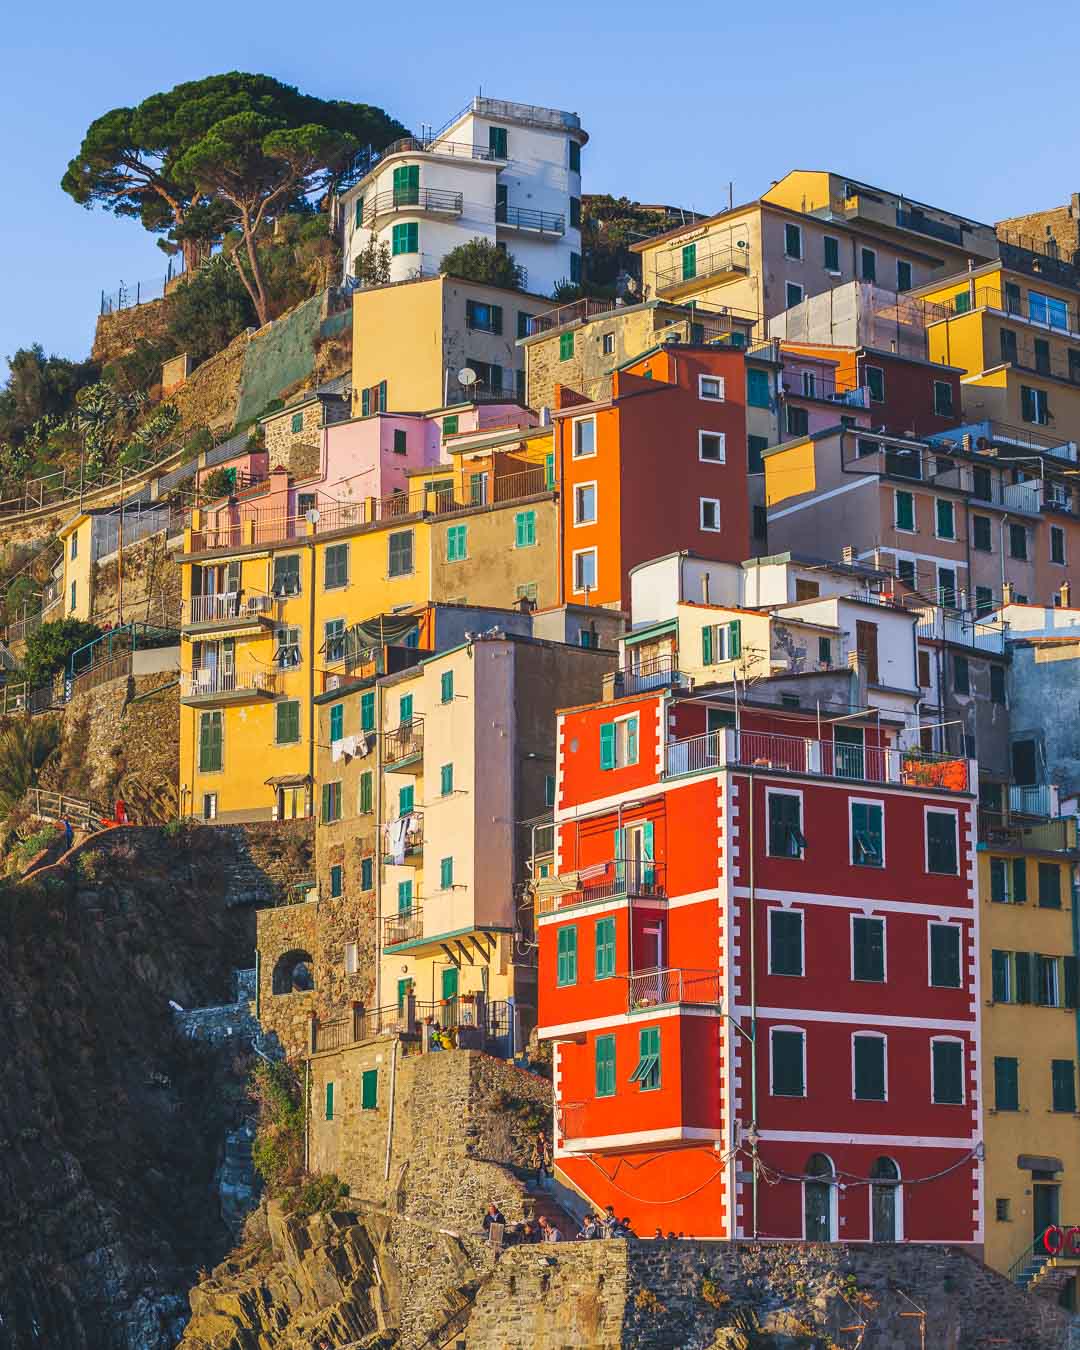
<point x="84" y="815"/>
<point x="130" y="294"/>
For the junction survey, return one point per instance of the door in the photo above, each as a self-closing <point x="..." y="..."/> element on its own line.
<point x="640" y="854"/>
<point x="817" y="1199"/>
<point x="884" y="1201"/>
<point x="866" y="642"/>
<point x="848" y="743"/>
<point x="1046" y="1207"/>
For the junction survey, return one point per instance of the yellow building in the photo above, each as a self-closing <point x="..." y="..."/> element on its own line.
<point x="1017" y="334"/>
<point x="73" y="577"/>
<point x="412" y="340"/>
<point x="1029" y="1032"/>
<point x="264" y="615"/>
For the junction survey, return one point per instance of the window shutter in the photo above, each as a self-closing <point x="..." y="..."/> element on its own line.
<point x="868" y="937"/>
<point x="326" y="801"/>
<point x="607" y="745"/>
<point x="631" y="740"/>
<point x="1006" y="1083"/>
<point x="1071" y="986"/>
<point x="734" y="639"/>
<point x="605" y="1066"/>
<point x="787" y="1064"/>
<point x="999" y="972"/>
<point x="605" y="949"/>
<point x="785" y="933"/>
<point x="707" y="645"/>
<point x="1019" y="870"/>
<point x="567" y="956"/>
<point x="870" y="1068"/>
<point x="948" y="1073"/>
<point x="365" y="403"/>
<point x="369" y="1089"/>
<point x="945" y="957"/>
<point x="329" y="1101"/>
<point x="1024" y="977"/>
<point x="404" y="897"/>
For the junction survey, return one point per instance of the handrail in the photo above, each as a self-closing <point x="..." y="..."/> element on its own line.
<point x="705" y="265"/>
<point x="227" y="605"/>
<point x="672" y="984"/>
<point x="439" y="200"/>
<point x="404" y="741"/>
<point x="210" y="680"/>
<point x="638" y="878"/>
<point x="405" y="926"/>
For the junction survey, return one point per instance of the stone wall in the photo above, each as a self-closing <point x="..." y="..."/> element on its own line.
<point x="286" y="929"/>
<point x="298" y="451"/>
<point x="211" y="394"/>
<point x="152" y="590"/>
<point x="118" y="332"/>
<point x="1060" y="223"/>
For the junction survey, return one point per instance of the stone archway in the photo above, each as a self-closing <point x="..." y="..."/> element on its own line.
<point x="294" y="973"/>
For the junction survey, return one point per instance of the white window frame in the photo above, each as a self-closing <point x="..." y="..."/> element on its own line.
<point x="802" y="294"/>
<point x="718" y="380"/>
<point x="608" y="344"/>
<point x="622" y="739"/>
<point x="784" y="1026"/>
<point x="953" y="928"/>
<point x="898" y="1190"/>
<point x="904" y="529"/>
<point x="956" y="1040"/>
<point x="876" y="918"/>
<point x="706" y="459"/>
<point x="785" y="975"/>
<point x="941" y="811"/>
<point x="877" y="1036"/>
<point x="786" y="792"/>
<point x="580" y="487"/>
<point x="210" y="806"/>
<point x="721" y="640"/>
<point x="881" y="371"/>
<point x="576" y="422"/>
<point x="351" y="958"/>
<point x="702" y="503"/>
<point x="947" y="538"/>
<point x="580" y="553"/>
<point x="801" y="255"/>
<point x="865" y="801"/>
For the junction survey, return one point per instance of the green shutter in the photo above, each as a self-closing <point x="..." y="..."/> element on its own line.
<point x="365" y="793"/>
<point x="1000" y="969"/>
<point x="446" y="873"/>
<point x="1019" y="874"/>
<point x="1063" y="1082"/>
<point x="868" y="941"/>
<point x="405" y="709"/>
<point x="632" y="740"/>
<point x="870" y="1068"/>
<point x="785" y="942"/>
<point x="406" y="798"/>
<point x="404" y="896"/>
<point x="446" y="779"/>
<point x="605" y="948"/>
<point x="866" y="835"/>
<point x="689" y="262"/>
<point x="607" y="745"/>
<point x="707" y="645"/>
<point x="567" y="955"/>
<point x="326" y="802"/>
<point x="734" y="639"/>
<point x="945" y="944"/>
<point x="329" y="1101"/>
<point x="1072" y="990"/>
<point x="605" y="1066"/>
<point x="210" y="740"/>
<point x="449" y="982"/>
<point x="369" y="1089"/>
<point x="787" y="1064"/>
<point x="367" y="874"/>
<point x="1006" y="1083"/>
<point x="905" y="511"/>
<point x="335" y="880"/>
<point x="647" y="1070"/>
<point x="337" y="721"/>
<point x="945" y="525"/>
<point x="549" y="470"/>
<point x="446" y="686"/>
<point x="948" y="1073"/>
<point x="566" y="346"/>
<point x="1049" y="886"/>
<point x="1024" y="969"/>
<point x="367" y="711"/>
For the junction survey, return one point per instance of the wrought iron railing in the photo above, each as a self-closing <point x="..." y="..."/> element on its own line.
<point x="227" y="607"/>
<point x="403" y="841"/>
<point x="705" y="264"/>
<point x="527" y="218"/>
<point x="407" y="925"/>
<point x="655" y="988"/>
<point x="962" y="629"/>
<point x="655" y="672"/>
<point x="613" y="879"/>
<point x="439" y="201"/>
<point x="809" y="384"/>
<point x="210" y="680"/>
<point x="404" y="742"/>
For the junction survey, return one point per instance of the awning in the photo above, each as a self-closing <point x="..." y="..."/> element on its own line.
<point x="289" y="780"/>
<point x="1033" y="1162"/>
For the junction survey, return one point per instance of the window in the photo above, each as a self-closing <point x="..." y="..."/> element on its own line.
<point x="334" y="639"/>
<point x="721" y="642"/>
<point x="758" y="390"/>
<point x="793" y="241"/>
<point x="296" y="422"/>
<point x="566" y="346"/>
<point x="331" y="802"/>
<point x="365" y="798"/>
<point x="401" y="441"/>
<point x="875" y="382"/>
<point x="710" y="514"/>
<point x="287" y="575"/>
<point x="947" y="1072"/>
<point x="688" y="261"/>
<point x="605" y="1066"/>
<point x="575" y="213"/>
<point x="868" y="259"/>
<point x="337" y="721"/>
<point x="944" y="518"/>
<point x="1018" y="542"/>
<point x="941" y="848"/>
<point x="984" y="600"/>
<point x="404" y="897"/>
<point x="1042" y="356"/>
<point x="903" y="275"/>
<point x="367" y="711"/>
<point x="946" y="577"/>
<point x="711" y="446"/>
<point x="456" y="543"/>
<point x="824" y="652"/>
<point x="450" y="425"/>
<point x="605" y="949"/>
<point x="1001" y="977"/>
<point x="497" y="142"/>
<point x="997" y="685"/>
<point x="981" y="533"/>
<point x="567" y="955"/>
<point x="1047" y="985"/>
<point x="867" y="949"/>
<point x="574" y="151"/>
<point x="549" y="786"/>
<point x="524" y="529"/>
<point x="786" y="838"/>
<point x="74" y="593"/>
<point x="1034" y="405"/>
<point x="287" y="722"/>
<point x="352" y="958"/>
<point x="478" y="488"/>
<point x="367" y="874"/>
<point x="1057" y="545"/>
<point x="793" y="295"/>
<point x="406" y="183"/>
<point x="1045" y="309"/>
<point x="584" y="437"/>
<point x="759" y="519"/>
<point x="575" y="267"/>
<point x="754" y="447"/>
<point x="619" y="743"/>
<point x="711" y="388"/>
<point x="446" y="874"/>
<point x="369" y="1090"/>
<point x="287" y="648"/>
<point x="961" y="676"/>
<point x="1049" y="886"/>
<point x="446" y="687"/>
<point x="336" y="566"/>
<point x="1001" y="1210"/>
<point x="585" y="504"/>
<point x="943" y="398"/>
<point x="1006" y="1083"/>
<point x="329" y="1112"/>
<point x="905" y="510"/>
<point x="831" y="247"/>
<point x="924" y="670"/>
<point x="647" y="1072"/>
<point x="797" y="420"/>
<point x="335" y="880"/>
<point x="868" y="1067"/>
<point x="446" y="779"/>
<point x="787" y="1076"/>
<point x="785" y="942"/>
<point x="1063" y="1084"/>
<point x="585" y="570"/>
<point x="945" y="955"/>
<point x="400" y="560"/>
<point x="405" y="238"/>
<point x="210" y="742"/>
<point x="484" y="317"/>
<point x="867" y="834"/>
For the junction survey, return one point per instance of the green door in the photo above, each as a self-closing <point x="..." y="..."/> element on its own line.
<point x="689" y="262"/>
<point x="404" y="989"/>
<point x="450" y="982"/>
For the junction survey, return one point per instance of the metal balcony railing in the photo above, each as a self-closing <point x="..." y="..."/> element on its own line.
<point x="655" y="672"/>
<point x="809" y="384"/>
<point x="209" y="680"/>
<point x="403" y="840"/>
<point x="636" y="878"/>
<point x="658" y="988"/>
<point x="435" y="201"/>
<point x="404" y="742"/>
<point x="405" y="926"/>
<point x="1040" y="310"/>
<point x="933" y="229"/>
<point x="526" y="218"/>
<point x="962" y="629"/>
<point x="227" y="607"/>
<point x="1024" y="441"/>
<point x="714" y="263"/>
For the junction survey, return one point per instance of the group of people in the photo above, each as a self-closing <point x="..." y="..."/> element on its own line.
<point x="606" y="1225"/>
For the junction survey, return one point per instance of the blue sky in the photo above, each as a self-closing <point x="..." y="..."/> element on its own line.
<point x="964" y="105"/>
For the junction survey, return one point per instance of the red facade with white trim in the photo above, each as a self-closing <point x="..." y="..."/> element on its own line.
<point x="662" y="858"/>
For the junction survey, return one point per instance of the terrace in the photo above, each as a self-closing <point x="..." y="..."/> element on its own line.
<point x="210" y="686"/>
<point x="615" y="879"/>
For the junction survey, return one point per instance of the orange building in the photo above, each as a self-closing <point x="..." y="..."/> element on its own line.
<point x="656" y="465"/>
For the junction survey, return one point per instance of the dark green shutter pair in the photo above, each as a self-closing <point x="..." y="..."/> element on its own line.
<point x="868" y="942"/>
<point x="567" y="955"/>
<point x="785" y="942"/>
<point x="870" y="1068"/>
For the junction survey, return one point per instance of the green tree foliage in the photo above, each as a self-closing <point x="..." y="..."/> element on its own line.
<point x="49" y="649"/>
<point x="480" y="260"/>
<point x="25" y="745"/>
<point x="278" y="1150"/>
<point x="209" y="310"/>
<point x="38" y="386"/>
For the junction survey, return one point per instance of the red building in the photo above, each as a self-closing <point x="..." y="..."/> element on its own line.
<point x="758" y="971"/>
<point x="658" y="465"/>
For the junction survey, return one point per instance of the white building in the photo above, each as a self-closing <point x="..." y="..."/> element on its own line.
<point x="506" y="172"/>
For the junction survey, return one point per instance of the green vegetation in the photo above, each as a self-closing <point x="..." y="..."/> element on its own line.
<point x="32" y="844"/>
<point x="278" y="1150"/>
<point x="315" y="1196"/>
<point x="50" y="647"/>
<point x="219" y="483"/>
<point x="25" y="744"/>
<point x="480" y="260"/>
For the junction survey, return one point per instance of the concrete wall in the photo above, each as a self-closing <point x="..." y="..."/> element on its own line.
<point x="1042" y="685"/>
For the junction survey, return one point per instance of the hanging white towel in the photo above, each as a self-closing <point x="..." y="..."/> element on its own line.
<point x="398" y="830"/>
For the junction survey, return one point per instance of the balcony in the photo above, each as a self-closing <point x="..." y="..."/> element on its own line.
<point x="1020" y="830"/>
<point x="648" y="990"/>
<point x="982" y="436"/>
<point x="655" y="672"/>
<point x="529" y="221"/>
<point x="680" y="277"/>
<point x="410" y="201"/>
<point x="211" y="687"/>
<point x="815" y="758"/>
<point x="403" y="748"/>
<point x="238" y="611"/>
<point x="915" y="220"/>
<point x="962" y="629"/>
<point x="407" y="925"/>
<point x="808" y="384"/>
<point x="617" y="879"/>
<point x="403" y="841"/>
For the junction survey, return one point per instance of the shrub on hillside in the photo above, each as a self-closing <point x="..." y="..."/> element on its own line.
<point x="49" y="649"/>
<point x="278" y="1151"/>
<point x="480" y="260"/>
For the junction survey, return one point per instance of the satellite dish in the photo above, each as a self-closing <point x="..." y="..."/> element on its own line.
<point x="466" y="376"/>
<point x="312" y="516"/>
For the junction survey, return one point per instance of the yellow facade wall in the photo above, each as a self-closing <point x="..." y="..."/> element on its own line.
<point x="801" y="190"/>
<point x="398" y="337"/>
<point x="78" y="571"/>
<point x="790" y="472"/>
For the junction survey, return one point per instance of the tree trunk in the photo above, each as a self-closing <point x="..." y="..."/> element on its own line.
<point x="255" y="287"/>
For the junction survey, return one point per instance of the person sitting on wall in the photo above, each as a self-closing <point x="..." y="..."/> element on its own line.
<point x="658" y="1236"/>
<point x="548" y="1231"/>
<point x="589" y="1229"/>
<point x="493" y="1215"/>
<point x="609" y="1222"/>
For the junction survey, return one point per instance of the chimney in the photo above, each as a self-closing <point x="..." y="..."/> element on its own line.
<point x="1066" y="595"/>
<point x="1007" y="593"/>
<point x="847" y="554"/>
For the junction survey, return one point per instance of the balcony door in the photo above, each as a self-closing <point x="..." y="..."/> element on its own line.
<point x="634" y="858"/>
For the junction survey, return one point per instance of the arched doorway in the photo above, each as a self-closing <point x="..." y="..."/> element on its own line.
<point x="885" y="1201"/>
<point x="294" y="973"/>
<point x="819" y="1199"/>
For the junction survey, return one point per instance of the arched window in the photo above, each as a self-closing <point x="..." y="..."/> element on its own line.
<point x="885" y="1201"/>
<point x="819" y="1199"/>
<point x="294" y="972"/>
